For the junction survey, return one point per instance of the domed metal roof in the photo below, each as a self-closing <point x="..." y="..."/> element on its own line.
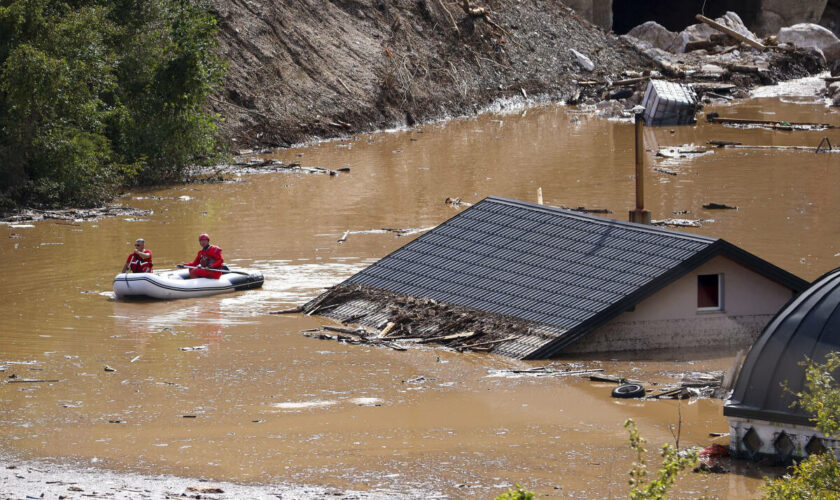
<point x="806" y="328"/>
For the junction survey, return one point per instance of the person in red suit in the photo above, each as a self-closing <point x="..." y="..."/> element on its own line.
<point x="208" y="258"/>
<point x="140" y="260"/>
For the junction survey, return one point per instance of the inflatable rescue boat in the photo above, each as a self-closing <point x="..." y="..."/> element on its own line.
<point x="179" y="285"/>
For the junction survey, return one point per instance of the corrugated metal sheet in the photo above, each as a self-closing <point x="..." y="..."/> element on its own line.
<point x="564" y="270"/>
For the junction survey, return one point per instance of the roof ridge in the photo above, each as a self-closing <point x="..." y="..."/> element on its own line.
<point x="644" y="228"/>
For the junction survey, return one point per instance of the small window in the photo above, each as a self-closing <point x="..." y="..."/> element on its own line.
<point x="709" y="292"/>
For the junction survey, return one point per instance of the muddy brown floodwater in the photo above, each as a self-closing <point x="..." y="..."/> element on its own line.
<point x="260" y="403"/>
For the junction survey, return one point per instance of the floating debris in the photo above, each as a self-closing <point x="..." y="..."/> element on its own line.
<point x="544" y="371"/>
<point x="718" y="206"/>
<point x="680" y="222"/>
<point x="588" y="210"/>
<point x="257" y="165"/>
<point x="665" y="170"/>
<point x="195" y="348"/>
<point x="73" y="215"/>
<point x="773" y="124"/>
<point x="456" y="202"/>
<point x="358" y="336"/>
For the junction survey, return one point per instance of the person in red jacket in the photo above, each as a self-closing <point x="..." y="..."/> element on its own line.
<point x="208" y="258"/>
<point x="140" y="260"/>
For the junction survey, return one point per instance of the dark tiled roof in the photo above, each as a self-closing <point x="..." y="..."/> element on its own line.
<point x="567" y="270"/>
<point x="808" y="327"/>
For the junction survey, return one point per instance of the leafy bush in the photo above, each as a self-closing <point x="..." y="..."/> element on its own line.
<point x="519" y="493"/>
<point x="818" y="476"/>
<point x="673" y="463"/>
<point x="97" y="94"/>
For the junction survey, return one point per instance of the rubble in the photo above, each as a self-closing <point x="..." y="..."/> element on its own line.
<point x="260" y="166"/>
<point x="809" y="35"/>
<point x="396" y="321"/>
<point x="585" y="62"/>
<point x="74" y="214"/>
<point x="680" y="222"/>
<point x="658" y="36"/>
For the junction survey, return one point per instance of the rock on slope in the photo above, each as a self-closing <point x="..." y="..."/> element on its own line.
<point x="324" y="68"/>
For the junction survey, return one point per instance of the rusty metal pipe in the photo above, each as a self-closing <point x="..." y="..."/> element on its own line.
<point x="640" y="162"/>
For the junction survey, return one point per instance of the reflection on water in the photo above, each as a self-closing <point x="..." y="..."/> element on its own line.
<point x="215" y="387"/>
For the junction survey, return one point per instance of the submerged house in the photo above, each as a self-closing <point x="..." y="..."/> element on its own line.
<point x="761" y="420"/>
<point x="582" y="283"/>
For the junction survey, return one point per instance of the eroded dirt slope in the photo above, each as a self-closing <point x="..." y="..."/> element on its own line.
<point x="324" y="68"/>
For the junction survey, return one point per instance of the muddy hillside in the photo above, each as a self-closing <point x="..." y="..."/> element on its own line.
<point x="312" y="68"/>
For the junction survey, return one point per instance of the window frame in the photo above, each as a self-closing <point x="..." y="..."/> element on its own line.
<point x="720" y="295"/>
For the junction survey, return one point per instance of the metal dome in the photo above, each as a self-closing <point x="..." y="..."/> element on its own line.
<point x="806" y="328"/>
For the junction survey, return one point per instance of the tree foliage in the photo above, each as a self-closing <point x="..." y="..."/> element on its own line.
<point x="818" y="476"/>
<point x="519" y="493"/>
<point x="96" y="94"/>
<point x="673" y="463"/>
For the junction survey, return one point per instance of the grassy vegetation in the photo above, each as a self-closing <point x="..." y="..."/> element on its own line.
<point x="100" y="94"/>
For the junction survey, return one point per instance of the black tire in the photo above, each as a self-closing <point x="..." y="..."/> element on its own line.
<point x="628" y="391"/>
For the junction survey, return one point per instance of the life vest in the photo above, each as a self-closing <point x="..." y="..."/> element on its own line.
<point x="138" y="265"/>
<point x="211" y="257"/>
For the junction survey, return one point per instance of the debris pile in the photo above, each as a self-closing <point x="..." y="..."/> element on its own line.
<point x="393" y="320"/>
<point x="261" y="166"/>
<point x="720" y="59"/>
<point x="693" y="385"/>
<point x="76" y="214"/>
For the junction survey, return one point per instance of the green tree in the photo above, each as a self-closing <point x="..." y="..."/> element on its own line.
<point x="818" y="476"/>
<point x="673" y="464"/>
<point x="519" y="493"/>
<point x="98" y="94"/>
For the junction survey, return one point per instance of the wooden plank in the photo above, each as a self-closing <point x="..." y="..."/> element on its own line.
<point x="782" y="123"/>
<point x="341" y="330"/>
<point x="390" y="326"/>
<point x="288" y="311"/>
<point x="462" y="335"/>
<point x="31" y="381"/>
<point x="629" y="81"/>
<point x="729" y="31"/>
<point x="489" y="342"/>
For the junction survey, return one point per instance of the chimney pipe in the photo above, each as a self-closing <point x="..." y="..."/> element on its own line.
<point x="640" y="215"/>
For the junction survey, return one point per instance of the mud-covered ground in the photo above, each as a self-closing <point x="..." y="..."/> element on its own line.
<point x="39" y="479"/>
<point x="328" y="68"/>
<point x="324" y="69"/>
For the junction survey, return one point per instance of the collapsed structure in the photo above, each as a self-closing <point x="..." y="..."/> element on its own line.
<point x="562" y="281"/>
<point x="762" y="422"/>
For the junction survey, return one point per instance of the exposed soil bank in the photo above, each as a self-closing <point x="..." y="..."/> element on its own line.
<point x="316" y="69"/>
<point x="330" y="68"/>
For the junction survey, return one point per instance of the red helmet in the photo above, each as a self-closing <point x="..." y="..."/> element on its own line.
<point x="204" y="236"/>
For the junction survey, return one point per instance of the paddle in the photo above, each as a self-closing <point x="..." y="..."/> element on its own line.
<point x="223" y="271"/>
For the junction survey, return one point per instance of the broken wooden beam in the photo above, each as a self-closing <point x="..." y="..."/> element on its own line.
<point x="354" y="318"/>
<point x="489" y="342"/>
<point x="721" y="144"/>
<point x="779" y="123"/>
<point x="342" y="330"/>
<point x="778" y="148"/>
<point x="462" y="335"/>
<point x="729" y="31"/>
<point x="390" y="326"/>
<point x="288" y="311"/>
<point x="629" y="81"/>
<point x="31" y="381"/>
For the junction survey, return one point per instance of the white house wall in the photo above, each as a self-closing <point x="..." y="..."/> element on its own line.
<point x="768" y="434"/>
<point x="670" y="317"/>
